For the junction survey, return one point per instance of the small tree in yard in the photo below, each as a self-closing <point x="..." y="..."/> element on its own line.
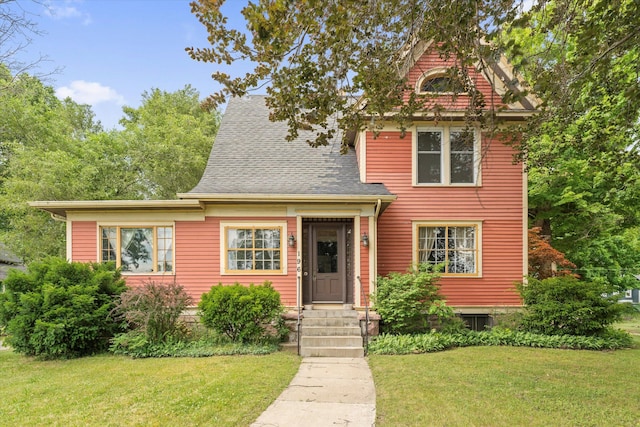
<point x="242" y="312"/>
<point x="564" y="305"/>
<point x="58" y="309"/>
<point x="407" y="301"/>
<point x="544" y="260"/>
<point x="154" y="309"/>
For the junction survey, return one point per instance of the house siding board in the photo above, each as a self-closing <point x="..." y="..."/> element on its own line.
<point x="497" y="204"/>
<point x="197" y="258"/>
<point x="84" y="244"/>
<point x="430" y="60"/>
<point x="198" y="263"/>
<point x="196" y="253"/>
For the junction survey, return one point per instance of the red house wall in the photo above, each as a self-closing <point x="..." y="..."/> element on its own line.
<point x="84" y="241"/>
<point x="197" y="257"/>
<point x="429" y="60"/>
<point x="498" y="203"/>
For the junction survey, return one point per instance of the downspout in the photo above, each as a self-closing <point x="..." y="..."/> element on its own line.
<point x="376" y="214"/>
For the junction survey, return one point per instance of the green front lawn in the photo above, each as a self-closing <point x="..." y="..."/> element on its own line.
<point x="508" y="386"/>
<point x="119" y="391"/>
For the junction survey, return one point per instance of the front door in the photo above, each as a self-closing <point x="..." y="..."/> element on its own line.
<point x="328" y="275"/>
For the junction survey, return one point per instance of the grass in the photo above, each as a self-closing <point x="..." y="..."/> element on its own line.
<point x="630" y="324"/>
<point x="508" y="386"/>
<point x="120" y="391"/>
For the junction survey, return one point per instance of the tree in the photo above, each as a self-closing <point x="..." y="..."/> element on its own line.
<point x="320" y="58"/>
<point x="582" y="150"/>
<point x="16" y="32"/>
<point x="544" y="260"/>
<point x="52" y="150"/>
<point x="169" y="138"/>
<point x="323" y="59"/>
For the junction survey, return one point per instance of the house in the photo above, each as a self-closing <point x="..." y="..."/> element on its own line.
<point x="631" y="295"/>
<point x="8" y="261"/>
<point x="320" y="225"/>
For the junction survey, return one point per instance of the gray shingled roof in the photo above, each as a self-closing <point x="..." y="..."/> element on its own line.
<point x="251" y="156"/>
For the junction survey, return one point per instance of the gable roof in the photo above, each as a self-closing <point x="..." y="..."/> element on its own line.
<point x="498" y="72"/>
<point x="251" y="157"/>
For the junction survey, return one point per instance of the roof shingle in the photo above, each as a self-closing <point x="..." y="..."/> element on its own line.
<point x="251" y="156"/>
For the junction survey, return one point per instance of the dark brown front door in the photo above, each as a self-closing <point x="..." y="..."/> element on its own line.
<point x="328" y="279"/>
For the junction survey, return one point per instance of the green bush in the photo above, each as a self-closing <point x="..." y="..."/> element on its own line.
<point x="58" y="309"/>
<point x="407" y="302"/>
<point x="564" y="305"/>
<point x="136" y="345"/>
<point x="427" y="343"/>
<point x="155" y="309"/>
<point x="243" y="313"/>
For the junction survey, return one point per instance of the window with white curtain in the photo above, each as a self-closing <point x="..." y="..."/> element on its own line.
<point x="138" y="249"/>
<point x="454" y="245"/>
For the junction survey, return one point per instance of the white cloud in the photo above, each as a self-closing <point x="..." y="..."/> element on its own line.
<point x="91" y="93"/>
<point x="66" y="10"/>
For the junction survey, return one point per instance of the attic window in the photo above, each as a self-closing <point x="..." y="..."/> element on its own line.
<point x="441" y="81"/>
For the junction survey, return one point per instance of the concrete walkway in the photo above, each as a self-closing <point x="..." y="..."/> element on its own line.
<point x="326" y="391"/>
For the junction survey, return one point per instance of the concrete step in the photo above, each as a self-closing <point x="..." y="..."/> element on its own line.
<point x="331" y="330"/>
<point x="330" y="321"/>
<point x="331" y="352"/>
<point x="330" y="313"/>
<point x="331" y="341"/>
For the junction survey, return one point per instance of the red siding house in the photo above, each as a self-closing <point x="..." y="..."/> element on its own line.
<point x="320" y="225"/>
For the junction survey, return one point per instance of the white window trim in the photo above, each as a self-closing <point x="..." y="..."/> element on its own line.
<point x="138" y="224"/>
<point x="445" y="158"/>
<point x="416" y="224"/>
<point x="224" y="271"/>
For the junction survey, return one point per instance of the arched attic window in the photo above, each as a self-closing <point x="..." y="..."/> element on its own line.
<point x="441" y="81"/>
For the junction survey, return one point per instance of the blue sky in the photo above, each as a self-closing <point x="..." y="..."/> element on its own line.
<point x="109" y="52"/>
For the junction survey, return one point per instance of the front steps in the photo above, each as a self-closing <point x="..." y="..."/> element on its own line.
<point x="331" y="333"/>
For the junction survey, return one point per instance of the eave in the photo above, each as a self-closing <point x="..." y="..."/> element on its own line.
<point x="286" y="198"/>
<point x="59" y="209"/>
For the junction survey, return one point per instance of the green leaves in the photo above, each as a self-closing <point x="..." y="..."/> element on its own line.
<point x="319" y="58"/>
<point x="241" y="312"/>
<point x="168" y="139"/>
<point x="408" y="302"/>
<point x="58" y="309"/>
<point x="428" y="343"/>
<point x="564" y="305"/>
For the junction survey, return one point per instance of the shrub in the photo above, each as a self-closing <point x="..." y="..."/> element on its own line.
<point x="427" y="343"/>
<point x="243" y="313"/>
<point x="135" y="344"/>
<point x="58" y="309"/>
<point x="154" y="310"/>
<point x="564" y="305"/>
<point x="407" y="301"/>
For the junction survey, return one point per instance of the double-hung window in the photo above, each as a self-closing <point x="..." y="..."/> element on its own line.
<point x="253" y="249"/>
<point x="446" y="156"/>
<point x="454" y="245"/>
<point x="138" y="249"/>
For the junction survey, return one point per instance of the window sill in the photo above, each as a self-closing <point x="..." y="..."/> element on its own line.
<point x="461" y="276"/>
<point x="437" y="185"/>
<point x="130" y="273"/>
<point x="253" y="273"/>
